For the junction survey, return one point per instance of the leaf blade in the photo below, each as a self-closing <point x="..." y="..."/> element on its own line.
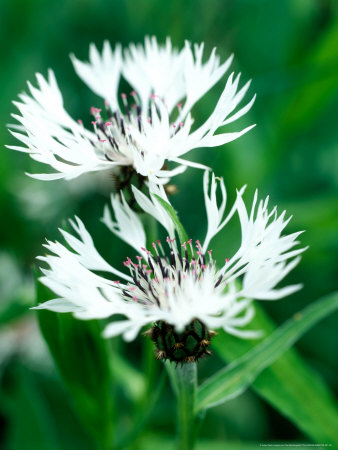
<point x="276" y="345"/>
<point x="82" y="358"/>
<point x="174" y="217"/>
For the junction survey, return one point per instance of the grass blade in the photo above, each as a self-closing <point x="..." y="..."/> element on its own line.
<point x="234" y="379"/>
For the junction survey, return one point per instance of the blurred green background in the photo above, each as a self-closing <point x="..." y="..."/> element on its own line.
<point x="290" y="50"/>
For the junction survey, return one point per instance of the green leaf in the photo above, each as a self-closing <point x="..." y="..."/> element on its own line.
<point x="235" y="378"/>
<point x="31" y="420"/>
<point x="286" y="383"/>
<point x="173" y="215"/>
<point x="143" y="415"/>
<point x="131" y="379"/>
<point x="82" y="357"/>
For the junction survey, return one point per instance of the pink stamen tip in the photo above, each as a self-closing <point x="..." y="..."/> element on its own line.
<point x="193" y="262"/>
<point x="190" y="241"/>
<point x="199" y="253"/>
<point x="94" y="122"/>
<point x="135" y="298"/>
<point x="156" y="280"/>
<point x="106" y="103"/>
<point x="153" y="244"/>
<point x="132" y="288"/>
<point x="149" y="271"/>
<point x="139" y="258"/>
<point x="102" y="140"/>
<point x="179" y="105"/>
<point x="204" y="266"/>
<point x="158" y="242"/>
<point x="184" y="245"/>
<point x="181" y="124"/>
<point x="152" y="96"/>
<point x="148" y="120"/>
<point x="80" y="122"/>
<point x="166" y="279"/>
<point x="133" y="93"/>
<point x="123" y="96"/>
<point x="145" y="250"/>
<point x="107" y="124"/>
<point x="174" y="125"/>
<point x="227" y="260"/>
<point x="209" y="251"/>
<point x="168" y="240"/>
<point x="117" y="282"/>
<point x="94" y="110"/>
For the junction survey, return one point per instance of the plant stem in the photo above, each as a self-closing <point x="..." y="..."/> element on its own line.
<point x="186" y="377"/>
<point x="150" y="365"/>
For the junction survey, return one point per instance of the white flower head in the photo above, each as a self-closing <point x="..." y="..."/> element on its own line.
<point x="145" y="129"/>
<point x="179" y="287"/>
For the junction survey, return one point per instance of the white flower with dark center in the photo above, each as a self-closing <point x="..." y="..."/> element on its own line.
<point x="149" y="127"/>
<point x="177" y="287"/>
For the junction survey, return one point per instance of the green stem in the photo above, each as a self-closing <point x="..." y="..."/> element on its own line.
<point x="150" y="365"/>
<point x="186" y="382"/>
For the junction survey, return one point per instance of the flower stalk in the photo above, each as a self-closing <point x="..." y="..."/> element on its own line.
<point x="186" y="382"/>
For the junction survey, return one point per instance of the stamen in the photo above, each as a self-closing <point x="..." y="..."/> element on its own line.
<point x="161" y="275"/>
<point x="155" y="248"/>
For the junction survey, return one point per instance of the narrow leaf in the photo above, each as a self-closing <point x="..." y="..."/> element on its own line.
<point x="173" y="215"/>
<point x="234" y="379"/>
<point x="82" y="357"/>
<point x="286" y="383"/>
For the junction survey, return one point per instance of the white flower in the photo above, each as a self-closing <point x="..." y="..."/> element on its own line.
<point x="102" y="73"/>
<point x="174" y="284"/>
<point x="147" y="129"/>
<point x="155" y="69"/>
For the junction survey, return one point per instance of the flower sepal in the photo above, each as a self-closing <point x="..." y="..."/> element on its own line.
<point x="183" y="347"/>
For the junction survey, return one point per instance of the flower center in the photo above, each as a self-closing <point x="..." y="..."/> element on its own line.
<point x="159" y="278"/>
<point x="113" y="131"/>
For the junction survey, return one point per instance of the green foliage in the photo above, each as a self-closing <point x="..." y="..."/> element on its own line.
<point x="288" y="384"/>
<point x="83" y="360"/>
<point x="173" y="215"/>
<point x="38" y="425"/>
